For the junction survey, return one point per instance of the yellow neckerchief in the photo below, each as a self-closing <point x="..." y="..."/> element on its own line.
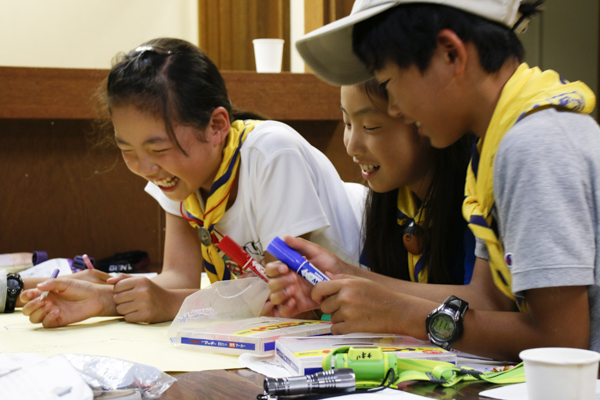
<point x="407" y="210"/>
<point x="528" y="90"/>
<point x="216" y="203"/>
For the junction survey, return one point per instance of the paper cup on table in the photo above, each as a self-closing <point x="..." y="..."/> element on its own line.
<point x="559" y="373"/>
<point x="268" y="54"/>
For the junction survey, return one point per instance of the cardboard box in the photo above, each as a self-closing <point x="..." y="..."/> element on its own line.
<point x="303" y="356"/>
<point x="253" y="335"/>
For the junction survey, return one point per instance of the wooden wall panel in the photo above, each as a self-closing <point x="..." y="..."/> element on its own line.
<point x="227" y="27"/>
<point x="64" y="198"/>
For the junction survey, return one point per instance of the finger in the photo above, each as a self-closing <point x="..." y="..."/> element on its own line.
<point x="137" y="317"/>
<point x="306" y="248"/>
<point x="129" y="284"/>
<point x="289" y="309"/>
<point x="331" y="305"/>
<point x="283" y="282"/>
<point x="32" y="306"/>
<point x="267" y="309"/>
<point x="340" y="328"/>
<point x="53" y="319"/>
<point x="28" y="295"/>
<point x="334" y="277"/>
<point x="276" y="268"/>
<point x="125" y="308"/>
<point x="117" y="278"/>
<point x="282" y="296"/>
<point x="325" y="289"/>
<point x="36" y="316"/>
<point x="55" y="285"/>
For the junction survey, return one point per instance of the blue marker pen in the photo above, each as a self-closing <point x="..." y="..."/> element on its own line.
<point x="295" y="261"/>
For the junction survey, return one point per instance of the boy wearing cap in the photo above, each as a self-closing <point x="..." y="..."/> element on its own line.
<point x="533" y="186"/>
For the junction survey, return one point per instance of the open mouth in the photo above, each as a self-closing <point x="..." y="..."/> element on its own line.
<point x="367" y="168"/>
<point x="167" y="182"/>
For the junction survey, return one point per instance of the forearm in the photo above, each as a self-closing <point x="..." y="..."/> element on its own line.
<point x="175" y="279"/>
<point x="480" y="293"/>
<point x="555" y="317"/>
<point x="173" y="301"/>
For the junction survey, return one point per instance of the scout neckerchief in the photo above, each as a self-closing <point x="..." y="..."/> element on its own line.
<point x="216" y="203"/>
<point x="528" y="90"/>
<point x="407" y="211"/>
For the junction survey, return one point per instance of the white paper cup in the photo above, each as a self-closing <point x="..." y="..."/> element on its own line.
<point x="559" y="373"/>
<point x="268" y="54"/>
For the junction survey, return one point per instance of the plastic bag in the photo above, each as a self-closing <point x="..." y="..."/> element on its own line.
<point x="105" y="374"/>
<point x="222" y="301"/>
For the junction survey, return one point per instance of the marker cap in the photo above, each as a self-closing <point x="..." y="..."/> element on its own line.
<point x="39" y="257"/>
<point x="233" y="250"/>
<point x="283" y="252"/>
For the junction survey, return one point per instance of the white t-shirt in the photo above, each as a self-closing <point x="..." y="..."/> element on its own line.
<point x="287" y="187"/>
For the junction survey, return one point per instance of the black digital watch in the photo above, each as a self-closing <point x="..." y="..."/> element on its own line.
<point x="445" y="324"/>
<point x="14" y="286"/>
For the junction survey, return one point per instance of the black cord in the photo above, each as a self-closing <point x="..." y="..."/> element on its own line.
<point x="383" y="383"/>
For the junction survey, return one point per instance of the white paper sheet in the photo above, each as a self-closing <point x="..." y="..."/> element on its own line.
<point x="50" y="378"/>
<point x="13" y="361"/>
<point x="266" y="365"/>
<point x="45" y="269"/>
<point x="518" y="392"/>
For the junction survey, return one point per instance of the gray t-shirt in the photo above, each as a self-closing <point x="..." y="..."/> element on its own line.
<point x="547" y="191"/>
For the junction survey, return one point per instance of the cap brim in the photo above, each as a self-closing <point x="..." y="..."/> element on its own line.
<point x="328" y="50"/>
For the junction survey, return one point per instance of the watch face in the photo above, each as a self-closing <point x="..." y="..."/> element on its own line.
<point x="442" y="326"/>
<point x="13" y="285"/>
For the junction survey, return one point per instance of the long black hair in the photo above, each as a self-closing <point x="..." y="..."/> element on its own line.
<point x="170" y="79"/>
<point x="407" y="35"/>
<point x="444" y="255"/>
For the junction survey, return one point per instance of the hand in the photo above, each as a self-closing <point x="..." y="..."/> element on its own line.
<point x="90" y="275"/>
<point x="289" y="292"/>
<point x="139" y="299"/>
<point x="68" y="301"/>
<point x="360" y="305"/>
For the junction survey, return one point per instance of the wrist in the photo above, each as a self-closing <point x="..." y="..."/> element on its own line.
<point x="445" y="324"/>
<point x="107" y="296"/>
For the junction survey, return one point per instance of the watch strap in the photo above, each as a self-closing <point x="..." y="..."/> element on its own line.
<point x="12" y="294"/>
<point x="3" y="287"/>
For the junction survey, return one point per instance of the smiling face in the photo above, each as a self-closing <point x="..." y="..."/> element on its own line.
<point x="430" y="99"/>
<point x="149" y="153"/>
<point x="389" y="152"/>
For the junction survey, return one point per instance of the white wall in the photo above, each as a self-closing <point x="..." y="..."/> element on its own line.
<point x="87" y="33"/>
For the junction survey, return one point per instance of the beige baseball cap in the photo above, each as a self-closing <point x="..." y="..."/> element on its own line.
<point x="328" y="50"/>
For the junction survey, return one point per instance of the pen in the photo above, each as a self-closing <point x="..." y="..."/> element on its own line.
<point x="295" y="261"/>
<point x="87" y="261"/>
<point x="45" y="292"/>
<point x="241" y="257"/>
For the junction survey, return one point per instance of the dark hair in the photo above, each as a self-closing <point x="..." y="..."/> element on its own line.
<point x="170" y="79"/>
<point x="407" y="35"/>
<point x="444" y="256"/>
